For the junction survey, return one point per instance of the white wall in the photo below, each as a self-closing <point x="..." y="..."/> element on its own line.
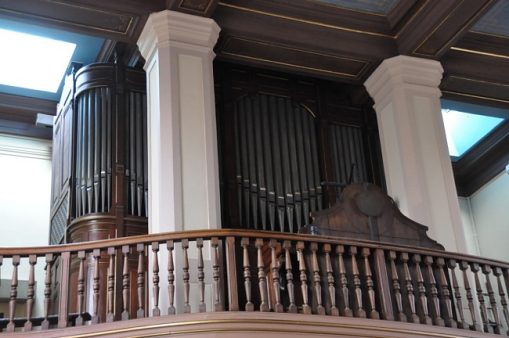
<point x="25" y="193"/>
<point x="485" y="217"/>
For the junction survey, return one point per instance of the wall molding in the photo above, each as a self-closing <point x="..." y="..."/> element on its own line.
<point x="28" y="147"/>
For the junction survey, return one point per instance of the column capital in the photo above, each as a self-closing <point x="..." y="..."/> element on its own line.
<point x="404" y="71"/>
<point x="170" y="27"/>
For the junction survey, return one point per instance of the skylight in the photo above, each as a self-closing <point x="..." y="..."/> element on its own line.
<point x="33" y="62"/>
<point x="464" y="130"/>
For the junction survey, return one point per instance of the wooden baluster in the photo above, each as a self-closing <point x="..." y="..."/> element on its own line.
<point x="437" y="316"/>
<point x="111" y="285"/>
<point x="63" y="289"/>
<point x="370" y="284"/>
<point x="96" y="254"/>
<point x="216" y="274"/>
<point x="171" y="278"/>
<point x="473" y="314"/>
<point x="14" y="293"/>
<point x="409" y="288"/>
<point x="334" y="311"/>
<point x="316" y="279"/>
<point x="140" y="248"/>
<point x="446" y="294"/>
<point x="231" y="274"/>
<point x="343" y="281"/>
<point x="125" y="283"/>
<point x="498" y="272"/>
<point x="480" y="297"/>
<point x="47" y="291"/>
<point x="273" y="244"/>
<point x="306" y="309"/>
<point x="155" y="279"/>
<point x="247" y="273"/>
<point x="457" y="294"/>
<point x="185" y="275"/>
<point x="486" y="270"/>
<point x="359" y="308"/>
<point x="81" y="288"/>
<point x="396" y="286"/>
<point x="292" y="308"/>
<point x="423" y="300"/>
<point x="201" y="276"/>
<point x="32" y="259"/>
<point x="262" y="279"/>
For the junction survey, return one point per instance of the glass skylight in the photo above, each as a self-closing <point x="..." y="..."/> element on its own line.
<point x="33" y="62"/>
<point x="463" y="130"/>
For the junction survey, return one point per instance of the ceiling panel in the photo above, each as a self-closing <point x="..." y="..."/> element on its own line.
<point x="371" y="6"/>
<point x="496" y="21"/>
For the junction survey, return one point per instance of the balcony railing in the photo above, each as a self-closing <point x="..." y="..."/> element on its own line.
<point x="235" y="270"/>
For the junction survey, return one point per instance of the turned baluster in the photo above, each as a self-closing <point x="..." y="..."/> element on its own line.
<point x="273" y="244"/>
<point x="32" y="259"/>
<point x="14" y="293"/>
<point x="111" y="284"/>
<point x="262" y="279"/>
<point x="486" y="270"/>
<point x="409" y="288"/>
<point x="396" y="286"/>
<point x="306" y="309"/>
<point x="96" y="254"/>
<point x="140" y="248"/>
<point x="359" y="308"/>
<point x="330" y="280"/>
<point x="316" y="279"/>
<point x="216" y="274"/>
<point x="247" y="272"/>
<point x="437" y="316"/>
<point x="47" y="291"/>
<point x="155" y="279"/>
<point x="446" y="294"/>
<point x="343" y="281"/>
<point x="292" y="308"/>
<point x="125" y="283"/>
<point x="421" y="289"/>
<point x="185" y="275"/>
<point x="81" y="288"/>
<point x="480" y="297"/>
<point x="498" y="272"/>
<point x="457" y="295"/>
<point x="201" y="276"/>
<point x="370" y="284"/>
<point x="470" y="297"/>
<point x="171" y="278"/>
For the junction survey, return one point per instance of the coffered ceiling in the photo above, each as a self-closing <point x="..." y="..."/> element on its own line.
<point x="342" y="40"/>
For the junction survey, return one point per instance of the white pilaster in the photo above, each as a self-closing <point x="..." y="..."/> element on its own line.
<point x="182" y="142"/>
<point x="417" y="167"/>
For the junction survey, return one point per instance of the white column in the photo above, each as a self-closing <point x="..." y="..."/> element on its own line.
<point x="182" y="142"/>
<point x="417" y="167"/>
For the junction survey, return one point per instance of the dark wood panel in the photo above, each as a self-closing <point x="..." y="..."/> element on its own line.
<point x="294" y="58"/>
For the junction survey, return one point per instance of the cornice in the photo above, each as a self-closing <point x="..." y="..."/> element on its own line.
<point x="167" y="27"/>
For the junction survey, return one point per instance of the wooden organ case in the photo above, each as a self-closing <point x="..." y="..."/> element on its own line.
<point x="288" y="145"/>
<point x="100" y="177"/>
<point x="100" y="156"/>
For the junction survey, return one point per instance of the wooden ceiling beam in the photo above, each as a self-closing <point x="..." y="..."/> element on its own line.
<point x="435" y="26"/>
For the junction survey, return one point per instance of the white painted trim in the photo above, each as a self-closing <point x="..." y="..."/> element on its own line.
<point x="21" y="146"/>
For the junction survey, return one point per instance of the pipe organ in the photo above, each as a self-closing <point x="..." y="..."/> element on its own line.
<point x="288" y="145"/>
<point x="100" y="179"/>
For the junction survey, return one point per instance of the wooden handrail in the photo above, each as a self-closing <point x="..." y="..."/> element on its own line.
<point x="194" y="234"/>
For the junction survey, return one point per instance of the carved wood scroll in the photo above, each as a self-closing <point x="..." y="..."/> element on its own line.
<point x="364" y="211"/>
